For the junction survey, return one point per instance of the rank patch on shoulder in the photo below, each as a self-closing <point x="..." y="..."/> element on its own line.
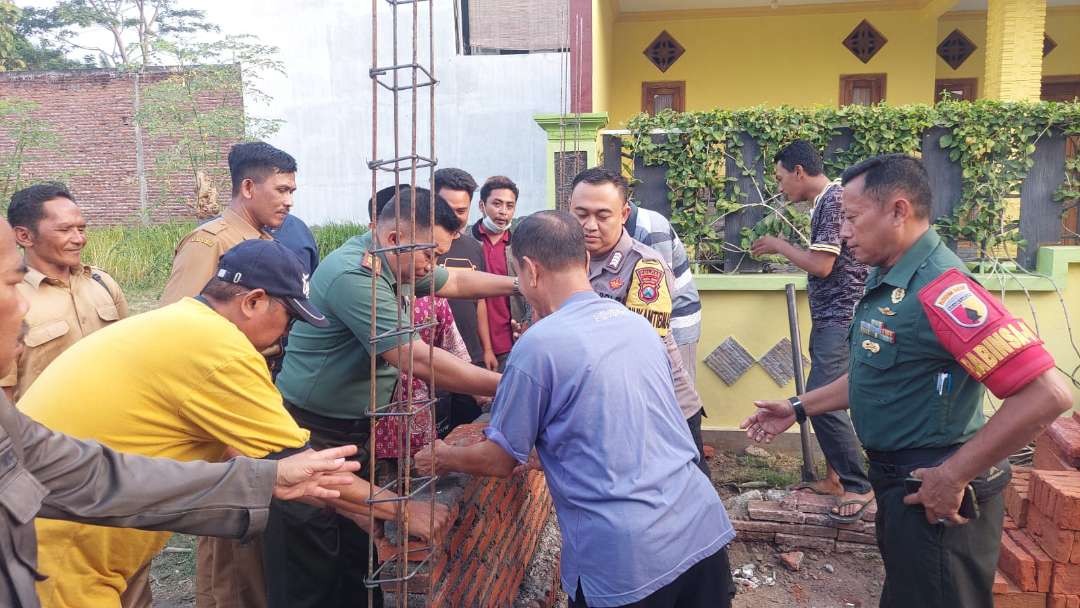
<point x="962" y="305"/>
<point x="616" y="259"/>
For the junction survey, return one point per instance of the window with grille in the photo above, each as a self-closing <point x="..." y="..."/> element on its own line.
<point x="504" y="27"/>
<point x="862" y="89"/>
<point x="664" y="51"/>
<point x="955" y="49"/>
<point x="864" y="41"/>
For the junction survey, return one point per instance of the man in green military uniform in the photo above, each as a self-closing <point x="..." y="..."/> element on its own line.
<point x="925" y="340"/>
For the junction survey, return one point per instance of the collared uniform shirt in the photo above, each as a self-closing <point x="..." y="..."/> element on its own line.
<point x="327" y="370"/>
<point x="636" y="276"/>
<point x="896" y="360"/>
<point x="633" y="508"/>
<point x="62" y="313"/>
<point x="654" y="230"/>
<point x="197" y="255"/>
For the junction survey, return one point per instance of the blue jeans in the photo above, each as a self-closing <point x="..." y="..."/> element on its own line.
<point x="835" y="435"/>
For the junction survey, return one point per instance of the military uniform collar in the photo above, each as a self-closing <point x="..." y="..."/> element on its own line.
<point x="615" y="258"/>
<point x="237" y="221"/>
<point x="35" y="277"/>
<point x="372" y="261"/>
<point x="900" y="275"/>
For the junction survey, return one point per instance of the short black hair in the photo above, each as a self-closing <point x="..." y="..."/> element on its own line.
<point x="221" y="290"/>
<point x="891" y="173"/>
<point x="497" y="182"/>
<point x="27" y="206"/>
<point x="406" y="203"/>
<point x="555" y="239"/>
<point x="256" y="160"/>
<point x="800" y="152"/>
<point x="598" y="176"/>
<point x="383" y="196"/>
<point x="455" y="179"/>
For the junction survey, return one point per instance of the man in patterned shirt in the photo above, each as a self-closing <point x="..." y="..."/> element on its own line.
<point x="834" y="285"/>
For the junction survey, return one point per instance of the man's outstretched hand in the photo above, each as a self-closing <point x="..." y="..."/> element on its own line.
<point x="770" y="419"/>
<point x="314" y="474"/>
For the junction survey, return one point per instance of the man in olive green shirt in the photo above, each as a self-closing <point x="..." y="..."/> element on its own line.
<point x="318" y="559"/>
<point x="925" y="340"/>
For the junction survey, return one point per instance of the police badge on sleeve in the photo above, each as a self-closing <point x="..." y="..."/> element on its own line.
<point x="649" y="294"/>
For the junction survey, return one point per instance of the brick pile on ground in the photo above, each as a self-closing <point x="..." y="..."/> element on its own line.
<point x="1039" y="565"/>
<point x="800" y="521"/>
<point x="481" y="560"/>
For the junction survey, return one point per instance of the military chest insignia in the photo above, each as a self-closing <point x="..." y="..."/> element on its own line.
<point x="876" y="329"/>
<point x="885" y="310"/>
<point x="615" y="283"/>
<point x="871" y="346"/>
<point x="962" y="305"/>
<point x="898" y="295"/>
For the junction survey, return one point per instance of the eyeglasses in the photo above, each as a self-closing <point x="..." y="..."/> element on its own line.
<point x="293" y="318"/>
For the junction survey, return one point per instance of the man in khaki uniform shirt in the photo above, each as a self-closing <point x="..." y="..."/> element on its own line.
<point x="68" y="300"/>
<point x="263" y="182"/>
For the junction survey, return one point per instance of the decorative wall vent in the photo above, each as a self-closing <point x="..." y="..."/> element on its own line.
<point x="955" y="49"/>
<point x="664" y="51"/>
<point x="1048" y="45"/>
<point x="864" y="41"/>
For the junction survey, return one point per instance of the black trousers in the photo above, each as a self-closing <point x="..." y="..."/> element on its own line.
<point x="707" y="584"/>
<point x="933" y="565"/>
<point x="694" y="422"/>
<point x="835" y="434"/>
<point x="314" y="558"/>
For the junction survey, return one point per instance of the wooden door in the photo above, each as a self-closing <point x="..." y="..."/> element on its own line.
<point x="862" y="89"/>
<point x="665" y="95"/>
<point x="1066" y="88"/>
<point x="962" y="89"/>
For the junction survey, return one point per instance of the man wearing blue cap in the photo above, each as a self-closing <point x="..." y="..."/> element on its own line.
<point x="206" y="396"/>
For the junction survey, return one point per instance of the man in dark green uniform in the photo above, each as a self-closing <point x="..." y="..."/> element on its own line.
<point x="925" y="340"/>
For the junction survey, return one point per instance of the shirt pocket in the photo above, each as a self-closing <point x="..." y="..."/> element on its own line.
<point x="21" y="496"/>
<point x="108" y="312"/>
<point x="47" y="331"/>
<point x="864" y="352"/>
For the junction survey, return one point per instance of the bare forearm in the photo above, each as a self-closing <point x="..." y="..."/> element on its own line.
<point x="1019" y="419"/>
<point x="472" y="285"/>
<point x="482" y="325"/>
<point x="355" y="497"/>
<point x="817" y="263"/>
<point x="485" y="459"/>
<point x="451" y="373"/>
<point x="828" y="398"/>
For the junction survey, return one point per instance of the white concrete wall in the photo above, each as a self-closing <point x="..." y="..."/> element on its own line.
<point x="484" y="104"/>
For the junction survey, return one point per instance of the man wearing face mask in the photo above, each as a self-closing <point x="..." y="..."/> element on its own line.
<point x="626" y="270"/>
<point x="498" y="201"/>
<point x="68" y="299"/>
<point x="263" y="182"/>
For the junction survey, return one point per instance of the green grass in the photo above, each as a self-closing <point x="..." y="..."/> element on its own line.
<point x="140" y="257"/>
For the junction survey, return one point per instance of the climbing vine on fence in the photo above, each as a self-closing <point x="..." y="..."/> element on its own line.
<point x="992" y="142"/>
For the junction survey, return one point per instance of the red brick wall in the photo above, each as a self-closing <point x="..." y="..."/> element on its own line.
<point x="481" y="560"/>
<point x="90" y="111"/>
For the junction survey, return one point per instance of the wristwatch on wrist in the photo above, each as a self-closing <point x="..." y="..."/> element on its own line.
<point x="797" y="407"/>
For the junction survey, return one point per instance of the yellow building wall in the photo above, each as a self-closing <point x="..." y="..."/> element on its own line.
<point x="758" y="320"/>
<point x="603" y="59"/>
<point x="1062" y="24"/>
<point x="796" y="59"/>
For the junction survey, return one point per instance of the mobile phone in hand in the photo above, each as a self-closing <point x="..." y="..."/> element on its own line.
<point x="969" y="508"/>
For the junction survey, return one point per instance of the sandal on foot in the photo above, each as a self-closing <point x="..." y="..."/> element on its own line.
<point x="834" y="513"/>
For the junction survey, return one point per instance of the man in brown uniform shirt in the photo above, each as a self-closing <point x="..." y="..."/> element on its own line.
<point x="263" y="182"/>
<point x="68" y="299"/>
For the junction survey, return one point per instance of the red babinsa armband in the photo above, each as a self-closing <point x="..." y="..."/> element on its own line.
<point x="996" y="348"/>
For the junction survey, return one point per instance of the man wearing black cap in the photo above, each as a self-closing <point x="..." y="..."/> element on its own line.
<point x="207" y="396"/>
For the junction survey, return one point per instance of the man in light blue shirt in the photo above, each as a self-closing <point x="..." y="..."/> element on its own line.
<point x="589" y="387"/>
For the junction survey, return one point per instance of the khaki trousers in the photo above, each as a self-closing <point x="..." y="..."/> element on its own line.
<point x="229" y="574"/>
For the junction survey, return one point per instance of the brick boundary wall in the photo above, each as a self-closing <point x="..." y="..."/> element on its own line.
<point x="90" y="111"/>
<point x="481" y="560"/>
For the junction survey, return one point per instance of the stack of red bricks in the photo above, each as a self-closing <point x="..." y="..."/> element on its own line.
<point x="1039" y="565"/>
<point x="481" y="559"/>
<point x="799" y="521"/>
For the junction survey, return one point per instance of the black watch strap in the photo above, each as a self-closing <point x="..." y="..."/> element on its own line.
<point x="800" y="412"/>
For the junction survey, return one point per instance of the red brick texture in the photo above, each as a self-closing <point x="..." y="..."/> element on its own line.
<point x="90" y="111"/>
<point x="482" y="558"/>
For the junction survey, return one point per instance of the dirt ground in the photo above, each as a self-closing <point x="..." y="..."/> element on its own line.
<point x="854" y="582"/>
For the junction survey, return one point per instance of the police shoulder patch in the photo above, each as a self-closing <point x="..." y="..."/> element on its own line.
<point x="649" y="294"/>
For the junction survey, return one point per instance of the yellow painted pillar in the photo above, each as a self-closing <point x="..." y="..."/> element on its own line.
<point x="1014" y="44"/>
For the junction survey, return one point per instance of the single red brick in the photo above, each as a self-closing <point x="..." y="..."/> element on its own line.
<point x="1065" y="432"/>
<point x="1066" y="579"/>
<point x="709" y="451"/>
<point x="1013" y="597"/>
<point x="1009" y="524"/>
<point x="467" y="434"/>
<point x="1056" y="600"/>
<point x="805" y="542"/>
<point x="848" y="536"/>
<point x="815" y="503"/>
<point x="1000" y="584"/>
<point x="1047" y="456"/>
<point x="1016" y="496"/>
<point x="1017" y="564"/>
<point x="1057" y="543"/>
<point x="772" y="511"/>
<point x="1043" y="563"/>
